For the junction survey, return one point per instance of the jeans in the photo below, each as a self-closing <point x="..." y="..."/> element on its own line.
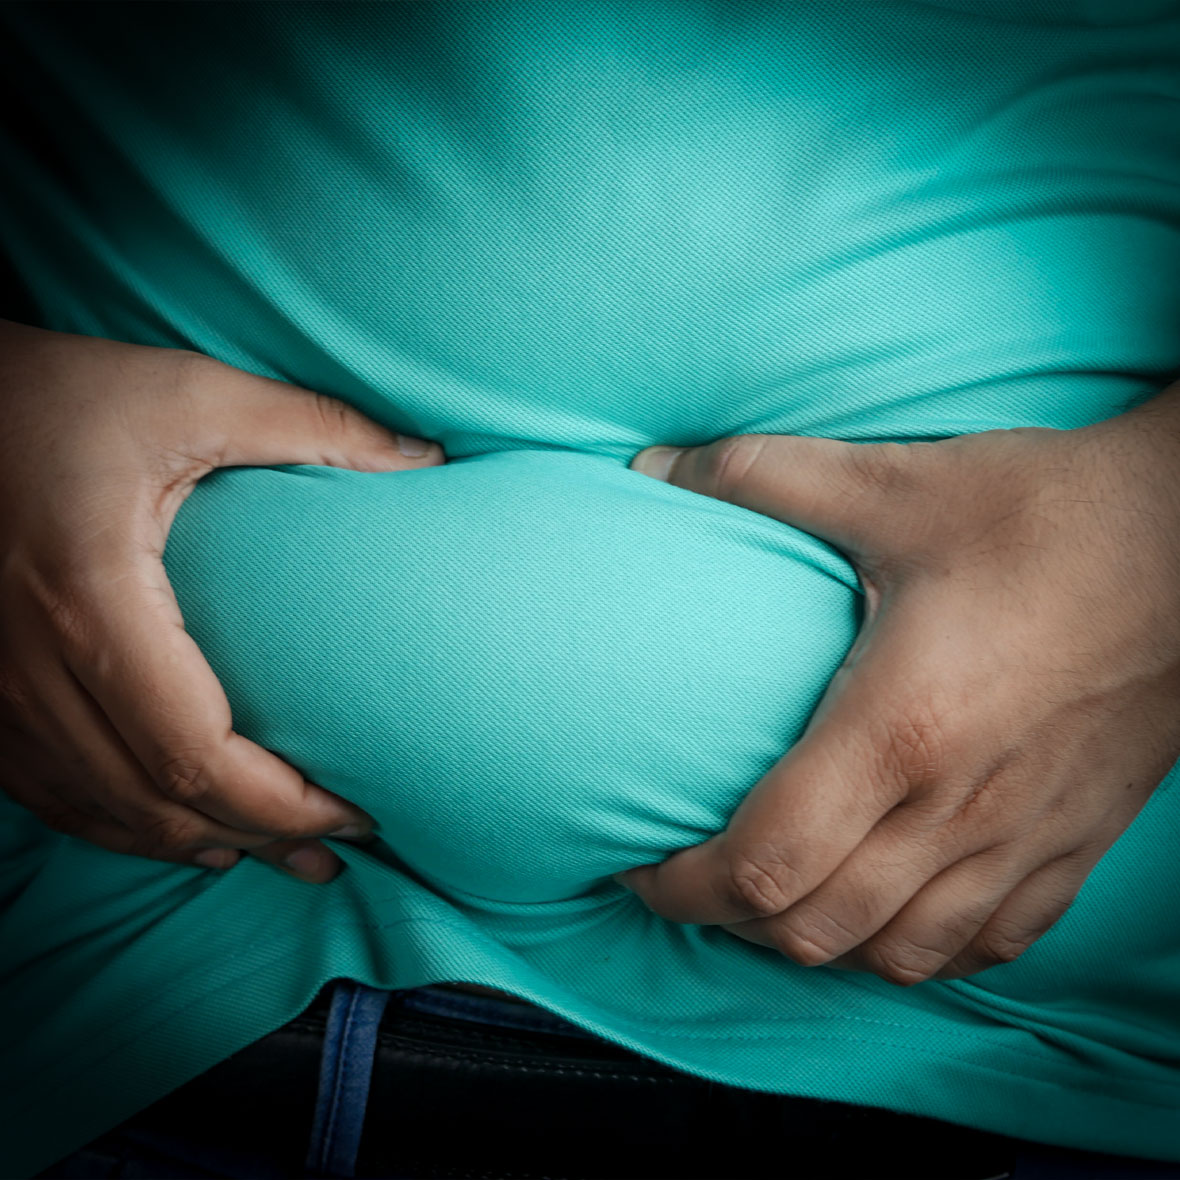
<point x="428" y="1082"/>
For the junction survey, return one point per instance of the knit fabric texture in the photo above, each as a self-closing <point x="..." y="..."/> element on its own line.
<point x="547" y="235"/>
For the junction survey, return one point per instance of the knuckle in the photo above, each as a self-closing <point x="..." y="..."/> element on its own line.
<point x="912" y="749"/>
<point x="904" y="963"/>
<point x="730" y="460"/>
<point x="71" y="622"/>
<point x="184" y="777"/>
<point x="334" y="416"/>
<point x="884" y="467"/>
<point x="761" y="886"/>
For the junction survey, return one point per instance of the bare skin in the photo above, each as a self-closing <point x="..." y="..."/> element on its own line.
<point x="115" y="729"/>
<point x="1010" y="705"/>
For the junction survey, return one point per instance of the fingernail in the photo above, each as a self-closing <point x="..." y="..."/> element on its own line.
<point x="352" y="832"/>
<point x="656" y="461"/>
<point x="412" y="448"/>
<point x="307" y="862"/>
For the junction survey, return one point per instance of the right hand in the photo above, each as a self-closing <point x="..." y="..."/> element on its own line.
<point x="115" y="729"/>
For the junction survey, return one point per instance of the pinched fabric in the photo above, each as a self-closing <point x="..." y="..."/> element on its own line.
<point x="548" y="235"/>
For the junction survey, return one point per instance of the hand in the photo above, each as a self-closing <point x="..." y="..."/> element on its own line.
<point x="1009" y="705"/>
<point x="115" y="729"/>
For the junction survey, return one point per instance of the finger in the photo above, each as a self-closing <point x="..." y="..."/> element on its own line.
<point x="859" y="757"/>
<point x="940" y="919"/>
<point x="259" y="422"/>
<point x="94" y="758"/>
<point x="847" y="493"/>
<point x="150" y="679"/>
<point x="139" y="807"/>
<point x="56" y="812"/>
<point x="907" y="849"/>
<point x="310" y="862"/>
<point x="794" y="828"/>
<point x="1025" y="915"/>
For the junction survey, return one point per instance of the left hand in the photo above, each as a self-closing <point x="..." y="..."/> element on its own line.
<point x="1009" y="706"/>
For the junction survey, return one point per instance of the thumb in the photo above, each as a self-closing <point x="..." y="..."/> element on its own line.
<point x="845" y="493"/>
<point x="260" y="422"/>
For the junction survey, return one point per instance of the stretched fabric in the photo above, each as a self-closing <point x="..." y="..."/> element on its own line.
<point x="548" y="235"/>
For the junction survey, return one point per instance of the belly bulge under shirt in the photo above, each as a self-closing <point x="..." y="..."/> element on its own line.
<point x="548" y="235"/>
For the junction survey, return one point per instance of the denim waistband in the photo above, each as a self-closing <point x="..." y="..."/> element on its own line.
<point x="437" y="1001"/>
<point x="351" y="1036"/>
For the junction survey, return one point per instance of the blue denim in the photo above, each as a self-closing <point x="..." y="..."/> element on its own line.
<point x="345" y="1071"/>
<point x="350" y="1043"/>
<point x="346" y="1063"/>
<point x="346" y="1067"/>
<point x="436" y="1001"/>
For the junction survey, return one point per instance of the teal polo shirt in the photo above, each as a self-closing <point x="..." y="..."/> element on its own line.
<point x="548" y="235"/>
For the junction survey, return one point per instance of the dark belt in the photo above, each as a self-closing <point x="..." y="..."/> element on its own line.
<point x="451" y="1095"/>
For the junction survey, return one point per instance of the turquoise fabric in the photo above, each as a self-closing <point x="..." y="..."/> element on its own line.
<point x="548" y="235"/>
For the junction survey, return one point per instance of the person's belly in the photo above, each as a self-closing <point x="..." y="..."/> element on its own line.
<point x="533" y="668"/>
<point x="531" y="665"/>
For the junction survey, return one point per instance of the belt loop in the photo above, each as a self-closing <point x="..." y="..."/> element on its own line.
<point x="346" y="1068"/>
